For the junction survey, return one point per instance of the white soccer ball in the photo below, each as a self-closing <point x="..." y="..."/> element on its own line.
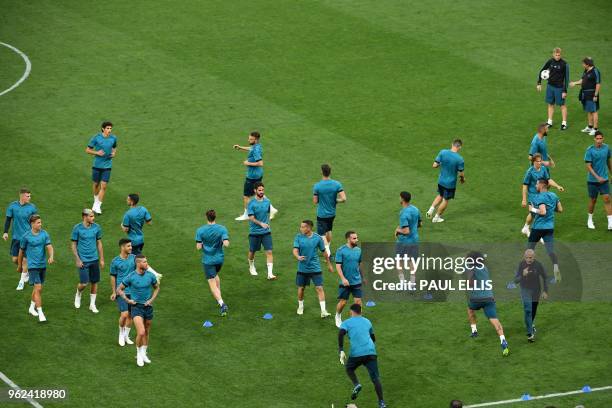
<point x="545" y="74"/>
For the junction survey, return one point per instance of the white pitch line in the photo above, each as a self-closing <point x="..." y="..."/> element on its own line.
<point x="538" y="397"/>
<point x="16" y="387"/>
<point x="25" y="74"/>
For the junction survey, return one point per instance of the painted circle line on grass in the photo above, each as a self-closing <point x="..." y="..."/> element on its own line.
<point x="26" y="72"/>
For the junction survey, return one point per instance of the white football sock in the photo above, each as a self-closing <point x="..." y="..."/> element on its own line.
<point x="431" y="209"/>
<point x="473" y="326"/>
<point x="591" y="217"/>
<point x="502" y="338"/>
<point x="609" y="219"/>
<point x="126" y="331"/>
<point x="32" y="305"/>
<point x="139" y="350"/>
<point x="338" y="315"/>
<point x="24" y="276"/>
<point x="322" y="304"/>
<point x="220" y="301"/>
<point x="92" y="299"/>
<point x="564" y="122"/>
<point x="269" y="268"/>
<point x="144" y="349"/>
<point x="121" y="331"/>
<point x="301" y="303"/>
<point x="526" y="226"/>
<point x="39" y="309"/>
<point x="251" y="263"/>
<point x="549" y="121"/>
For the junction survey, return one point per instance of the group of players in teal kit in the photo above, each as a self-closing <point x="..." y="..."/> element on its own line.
<point x="135" y="284"/>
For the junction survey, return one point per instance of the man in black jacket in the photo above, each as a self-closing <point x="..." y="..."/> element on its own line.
<point x="556" y="87"/>
<point x="528" y="274"/>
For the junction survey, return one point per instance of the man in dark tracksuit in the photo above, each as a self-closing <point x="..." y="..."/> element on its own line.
<point x="589" y="94"/>
<point x="528" y="274"/>
<point x="556" y="87"/>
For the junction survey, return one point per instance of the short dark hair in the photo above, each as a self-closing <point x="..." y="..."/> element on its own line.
<point x="106" y="124"/>
<point x="255" y="134"/>
<point x="211" y="215"/>
<point x="588" y="61"/>
<point x="308" y="222"/>
<point x="24" y="190"/>
<point x="139" y="257"/>
<point x="543" y="181"/>
<point x="348" y="234"/>
<point x="456" y="404"/>
<point x="326" y="170"/>
<point x="542" y="127"/>
<point x="474" y="255"/>
<point x="257" y="185"/>
<point x="124" y="241"/>
<point x="406" y="196"/>
<point x="355" y="307"/>
<point x="34" y="217"/>
<point x="457" y="142"/>
<point x="597" y="133"/>
<point x="134" y="198"/>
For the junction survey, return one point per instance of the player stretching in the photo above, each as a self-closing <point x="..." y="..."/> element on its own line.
<point x="120" y="268"/>
<point x="451" y="164"/>
<point x="133" y="221"/>
<point x="589" y="94"/>
<point x="32" y="246"/>
<point x="210" y="239"/>
<point x="544" y="206"/>
<point x="19" y="212"/>
<point x="89" y="256"/>
<point x="538" y="145"/>
<point x="260" y="234"/>
<point x="535" y="172"/>
<point x="254" y="164"/>
<point x="305" y="247"/>
<point x="482" y="298"/>
<point x="597" y="159"/>
<point x="348" y="266"/>
<point x="407" y="233"/>
<point x="556" y="87"/>
<point x="363" y="351"/>
<point x="528" y="274"/>
<point x="104" y="147"/>
<point x="141" y="282"/>
<point x="326" y="193"/>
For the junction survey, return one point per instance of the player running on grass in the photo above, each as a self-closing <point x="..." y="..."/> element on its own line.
<point x="528" y="274"/>
<point x="326" y="194"/>
<point x="104" y="147"/>
<point x="89" y="256"/>
<point x="120" y="268"/>
<point x="32" y="246"/>
<point x="305" y="246"/>
<point x="348" y="266"/>
<point x="539" y="145"/>
<point x="19" y="213"/>
<point x="363" y="351"/>
<point x="451" y="165"/>
<point x="144" y="288"/>
<point x="254" y="166"/>
<point x="133" y="221"/>
<point x="535" y="172"/>
<point x="599" y="166"/>
<point x="260" y="234"/>
<point x="544" y="206"/>
<point x="211" y="239"/>
<point x="482" y="298"/>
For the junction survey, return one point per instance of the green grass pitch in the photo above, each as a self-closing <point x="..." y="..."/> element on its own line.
<point x="375" y="88"/>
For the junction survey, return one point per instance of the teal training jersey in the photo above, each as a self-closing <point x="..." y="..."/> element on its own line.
<point x="121" y="268"/>
<point x="99" y="142"/>
<point x="261" y="211"/>
<point x="33" y="246"/>
<point x="480" y="276"/>
<point x="539" y="146"/>
<point x="410" y="217"/>
<point x="211" y="236"/>
<point x="134" y="219"/>
<point x="550" y="200"/>
<point x="598" y="157"/>
<point x="327" y="193"/>
<point x="450" y="164"/>
<point x="359" y="329"/>
<point x="255" y="155"/>
<point x="532" y="176"/>
<point x="349" y="259"/>
<point x="307" y="246"/>
<point x="21" y="217"/>
<point x="141" y="286"/>
<point x="87" y="240"/>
